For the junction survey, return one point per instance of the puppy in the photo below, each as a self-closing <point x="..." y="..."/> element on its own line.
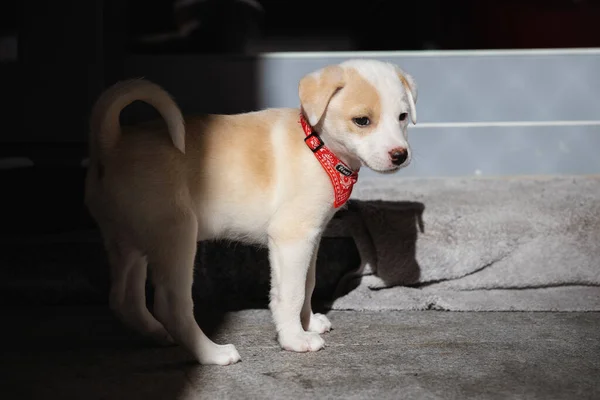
<point x="273" y="177"/>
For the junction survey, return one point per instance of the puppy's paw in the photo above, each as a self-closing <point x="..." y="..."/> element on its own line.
<point x="301" y="342"/>
<point x="220" y="355"/>
<point x="319" y="323"/>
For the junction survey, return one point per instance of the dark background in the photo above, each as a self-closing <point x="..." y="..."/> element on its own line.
<point x="57" y="56"/>
<point x="69" y="51"/>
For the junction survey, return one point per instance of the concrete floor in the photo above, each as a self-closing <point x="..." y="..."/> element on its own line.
<point x="83" y="353"/>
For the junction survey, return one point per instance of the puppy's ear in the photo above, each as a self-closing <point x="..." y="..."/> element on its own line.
<point x="316" y="89"/>
<point x="411" y="91"/>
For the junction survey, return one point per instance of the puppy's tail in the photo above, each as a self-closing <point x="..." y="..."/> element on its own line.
<point x="105" y="126"/>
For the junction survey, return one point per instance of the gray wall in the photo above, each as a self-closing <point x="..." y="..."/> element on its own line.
<point x="480" y="112"/>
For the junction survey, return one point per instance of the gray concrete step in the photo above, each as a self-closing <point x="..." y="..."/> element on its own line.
<point x="82" y="352"/>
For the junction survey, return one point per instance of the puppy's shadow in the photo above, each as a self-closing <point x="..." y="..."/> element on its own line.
<point x="231" y="276"/>
<point x="385" y="235"/>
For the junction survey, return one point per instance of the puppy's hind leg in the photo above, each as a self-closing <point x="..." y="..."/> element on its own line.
<point x="172" y="265"/>
<point x="128" y="291"/>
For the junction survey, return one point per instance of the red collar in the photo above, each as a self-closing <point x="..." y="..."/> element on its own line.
<point x="342" y="177"/>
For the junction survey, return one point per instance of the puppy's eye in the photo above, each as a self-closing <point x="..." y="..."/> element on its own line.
<point x="403" y="116"/>
<point x="361" y="121"/>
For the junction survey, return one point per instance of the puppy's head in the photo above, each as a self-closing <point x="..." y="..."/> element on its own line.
<point x="363" y="108"/>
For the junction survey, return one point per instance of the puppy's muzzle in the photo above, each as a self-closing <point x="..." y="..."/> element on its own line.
<point x="398" y="156"/>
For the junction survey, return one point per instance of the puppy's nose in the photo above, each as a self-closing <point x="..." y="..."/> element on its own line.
<point x="398" y="155"/>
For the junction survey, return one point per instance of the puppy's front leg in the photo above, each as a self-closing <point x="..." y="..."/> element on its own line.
<point x="310" y="321"/>
<point x="290" y="261"/>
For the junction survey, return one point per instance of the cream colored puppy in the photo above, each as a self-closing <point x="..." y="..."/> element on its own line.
<point x="272" y="177"/>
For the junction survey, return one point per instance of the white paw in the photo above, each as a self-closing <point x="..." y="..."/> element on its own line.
<point x="220" y="355"/>
<point x="301" y="342"/>
<point x="319" y="323"/>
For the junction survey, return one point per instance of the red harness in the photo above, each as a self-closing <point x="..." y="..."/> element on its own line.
<point x="341" y="176"/>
